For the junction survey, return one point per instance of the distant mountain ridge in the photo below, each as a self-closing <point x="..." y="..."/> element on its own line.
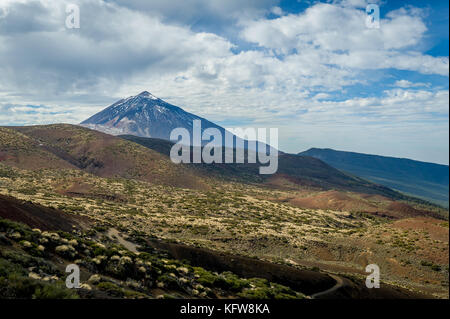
<point x="292" y="170"/>
<point x="421" y="179"/>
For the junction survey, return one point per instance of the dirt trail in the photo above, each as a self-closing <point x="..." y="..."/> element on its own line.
<point x="306" y="281"/>
<point x="114" y="234"/>
<point x="339" y="284"/>
<point x="317" y="285"/>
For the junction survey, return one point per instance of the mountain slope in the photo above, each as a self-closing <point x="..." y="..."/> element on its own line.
<point x="425" y="180"/>
<point x="33" y="263"/>
<point x="63" y="146"/>
<point x="75" y="147"/>
<point x="38" y="216"/>
<point x="20" y="150"/>
<point x="293" y="171"/>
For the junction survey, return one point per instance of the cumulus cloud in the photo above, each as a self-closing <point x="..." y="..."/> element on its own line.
<point x="286" y="70"/>
<point x="324" y="48"/>
<point x="112" y="44"/>
<point x="408" y="84"/>
<point x="337" y="34"/>
<point x="19" y="114"/>
<point x="216" y="16"/>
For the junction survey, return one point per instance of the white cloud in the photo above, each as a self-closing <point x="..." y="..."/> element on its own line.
<point x="337" y="34"/>
<point x="290" y="80"/>
<point x="355" y="3"/>
<point x="408" y="84"/>
<point x="215" y="14"/>
<point x="277" y="11"/>
<point x="112" y="45"/>
<point x="324" y="49"/>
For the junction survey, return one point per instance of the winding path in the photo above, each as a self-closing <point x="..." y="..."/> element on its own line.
<point x="115" y="234"/>
<point x="339" y="284"/>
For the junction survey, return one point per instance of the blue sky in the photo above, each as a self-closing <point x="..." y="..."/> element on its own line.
<point x="313" y="69"/>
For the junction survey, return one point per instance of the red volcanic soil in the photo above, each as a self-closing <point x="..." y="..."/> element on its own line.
<point x="357" y="202"/>
<point x="334" y="200"/>
<point x="284" y="181"/>
<point x="4" y="157"/>
<point x="37" y="216"/>
<point x="432" y="230"/>
<point x="80" y="189"/>
<point x="374" y="197"/>
<point x="404" y="210"/>
<point x="437" y="229"/>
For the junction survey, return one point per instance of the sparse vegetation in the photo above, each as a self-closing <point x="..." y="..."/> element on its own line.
<point x="263" y="221"/>
<point x="122" y="273"/>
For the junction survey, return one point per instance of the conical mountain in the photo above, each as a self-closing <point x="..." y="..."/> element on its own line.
<point x="144" y="115"/>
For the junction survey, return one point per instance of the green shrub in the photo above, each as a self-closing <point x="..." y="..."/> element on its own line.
<point x="230" y="281"/>
<point x="7" y="267"/>
<point x="54" y="291"/>
<point x="206" y="278"/>
<point x="18" y="286"/>
<point x="257" y="293"/>
<point x="169" y="281"/>
<point x="111" y="289"/>
<point x="436" y="268"/>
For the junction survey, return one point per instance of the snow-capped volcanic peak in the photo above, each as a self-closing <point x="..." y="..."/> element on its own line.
<point x="143" y="115"/>
<point x="147" y="94"/>
<point x="147" y="116"/>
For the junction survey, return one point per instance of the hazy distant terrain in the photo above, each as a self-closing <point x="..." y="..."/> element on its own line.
<point x="425" y="180"/>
